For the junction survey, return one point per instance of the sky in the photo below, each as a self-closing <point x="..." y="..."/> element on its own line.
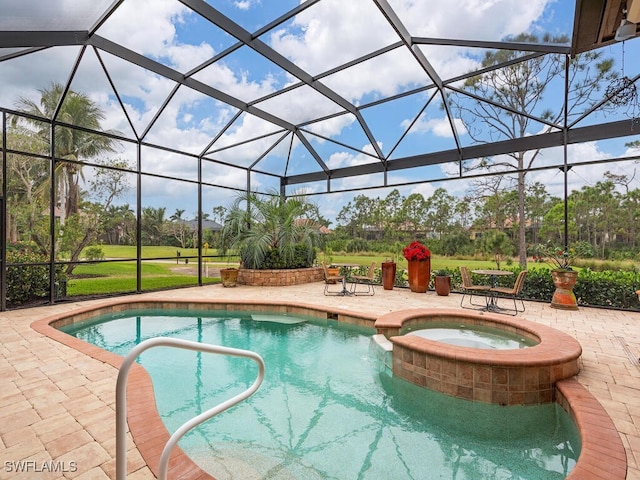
<point x="323" y="36"/>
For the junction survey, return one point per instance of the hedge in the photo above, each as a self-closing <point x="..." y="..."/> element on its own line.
<point x="611" y="289"/>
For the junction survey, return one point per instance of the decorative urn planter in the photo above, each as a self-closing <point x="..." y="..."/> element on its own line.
<point x="419" y="275"/>
<point x="229" y="277"/>
<point x="388" y="275"/>
<point x="564" y="281"/>
<point x="442" y="284"/>
<point x="419" y="272"/>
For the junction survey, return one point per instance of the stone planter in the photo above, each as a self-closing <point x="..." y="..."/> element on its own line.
<point x="564" y="281"/>
<point x="229" y="277"/>
<point x="280" y="277"/>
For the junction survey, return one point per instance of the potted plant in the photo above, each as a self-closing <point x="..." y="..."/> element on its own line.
<point x="271" y="232"/>
<point x="419" y="259"/>
<point x="563" y="275"/>
<point x="442" y="282"/>
<point x="388" y="274"/>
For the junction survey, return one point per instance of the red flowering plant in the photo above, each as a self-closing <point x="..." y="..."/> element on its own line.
<point x="416" y="251"/>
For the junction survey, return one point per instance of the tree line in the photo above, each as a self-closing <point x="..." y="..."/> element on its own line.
<point x="603" y="217"/>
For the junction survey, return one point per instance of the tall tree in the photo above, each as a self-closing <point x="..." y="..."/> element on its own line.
<point x="413" y="215"/>
<point x="153" y="223"/>
<point x="516" y="95"/>
<point x="179" y="227"/>
<point x="72" y="145"/>
<point x="441" y="206"/>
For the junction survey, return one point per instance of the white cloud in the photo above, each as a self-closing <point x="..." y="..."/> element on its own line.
<point x="440" y="127"/>
<point x="243" y="5"/>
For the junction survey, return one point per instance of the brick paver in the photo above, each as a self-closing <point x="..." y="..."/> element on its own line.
<point x="57" y="405"/>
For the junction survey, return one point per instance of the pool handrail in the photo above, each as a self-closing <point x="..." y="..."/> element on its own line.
<point x="121" y="397"/>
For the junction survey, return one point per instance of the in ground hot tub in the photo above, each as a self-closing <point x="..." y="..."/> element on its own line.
<point x="474" y="336"/>
<point x="509" y="376"/>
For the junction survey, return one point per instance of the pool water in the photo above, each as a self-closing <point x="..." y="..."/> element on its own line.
<point x="327" y="409"/>
<point x="475" y="336"/>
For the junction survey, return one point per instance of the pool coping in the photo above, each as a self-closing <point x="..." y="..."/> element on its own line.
<point x="602" y="453"/>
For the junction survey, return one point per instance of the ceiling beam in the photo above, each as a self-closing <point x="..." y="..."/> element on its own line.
<point x="15" y="39"/>
<point x="590" y="133"/>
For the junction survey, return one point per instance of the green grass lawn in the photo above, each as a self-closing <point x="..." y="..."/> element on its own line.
<point x="120" y="277"/>
<point x="437" y="262"/>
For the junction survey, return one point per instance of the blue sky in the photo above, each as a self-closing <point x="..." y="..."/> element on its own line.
<point x="323" y="36"/>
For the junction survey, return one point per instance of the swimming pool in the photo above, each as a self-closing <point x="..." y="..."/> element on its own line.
<point x="326" y="408"/>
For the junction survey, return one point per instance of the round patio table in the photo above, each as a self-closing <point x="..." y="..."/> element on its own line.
<point x="492" y="304"/>
<point x="345" y="291"/>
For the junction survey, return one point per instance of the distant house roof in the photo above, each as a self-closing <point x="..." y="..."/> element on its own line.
<point x="321" y="228"/>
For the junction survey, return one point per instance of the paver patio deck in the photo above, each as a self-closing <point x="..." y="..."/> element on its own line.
<point x="57" y="405"/>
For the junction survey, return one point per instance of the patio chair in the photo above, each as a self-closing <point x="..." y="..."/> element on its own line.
<point x="332" y="280"/>
<point x="470" y="289"/>
<point x="366" y="280"/>
<point x="513" y="292"/>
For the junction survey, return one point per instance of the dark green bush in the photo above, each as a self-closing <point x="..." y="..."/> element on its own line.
<point x="608" y="289"/>
<point x="94" y="253"/>
<point x="613" y="289"/>
<point x="28" y="279"/>
<point x="357" y="245"/>
<point x="303" y="257"/>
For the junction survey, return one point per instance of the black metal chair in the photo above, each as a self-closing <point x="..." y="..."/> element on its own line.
<point x="366" y="280"/>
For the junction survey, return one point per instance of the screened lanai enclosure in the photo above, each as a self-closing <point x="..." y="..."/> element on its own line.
<point x="120" y="115"/>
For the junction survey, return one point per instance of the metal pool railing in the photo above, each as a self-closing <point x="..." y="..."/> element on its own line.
<point x="121" y="397"/>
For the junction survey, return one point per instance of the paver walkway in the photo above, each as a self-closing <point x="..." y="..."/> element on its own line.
<point x="57" y="406"/>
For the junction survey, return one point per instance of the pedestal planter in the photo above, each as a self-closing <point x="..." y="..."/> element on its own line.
<point x="564" y="298"/>
<point x="419" y="275"/>
<point x="388" y="275"/>
<point x="229" y="277"/>
<point x="442" y="285"/>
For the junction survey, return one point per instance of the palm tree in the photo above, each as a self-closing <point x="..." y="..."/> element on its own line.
<point x="270" y="227"/>
<point x="153" y="225"/>
<point x="70" y="144"/>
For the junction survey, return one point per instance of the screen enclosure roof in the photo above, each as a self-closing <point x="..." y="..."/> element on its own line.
<point x="326" y="92"/>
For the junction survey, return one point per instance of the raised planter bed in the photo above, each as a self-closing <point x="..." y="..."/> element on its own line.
<point x="279" y="278"/>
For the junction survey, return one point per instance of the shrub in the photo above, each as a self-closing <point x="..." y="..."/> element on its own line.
<point x="28" y="279"/>
<point x="611" y="289"/>
<point x="303" y="257"/>
<point x="94" y="253"/>
<point x="357" y="245"/>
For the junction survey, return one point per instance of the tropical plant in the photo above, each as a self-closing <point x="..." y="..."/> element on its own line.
<point x="271" y="231"/>
<point x="71" y="144"/>
<point x="560" y="258"/>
